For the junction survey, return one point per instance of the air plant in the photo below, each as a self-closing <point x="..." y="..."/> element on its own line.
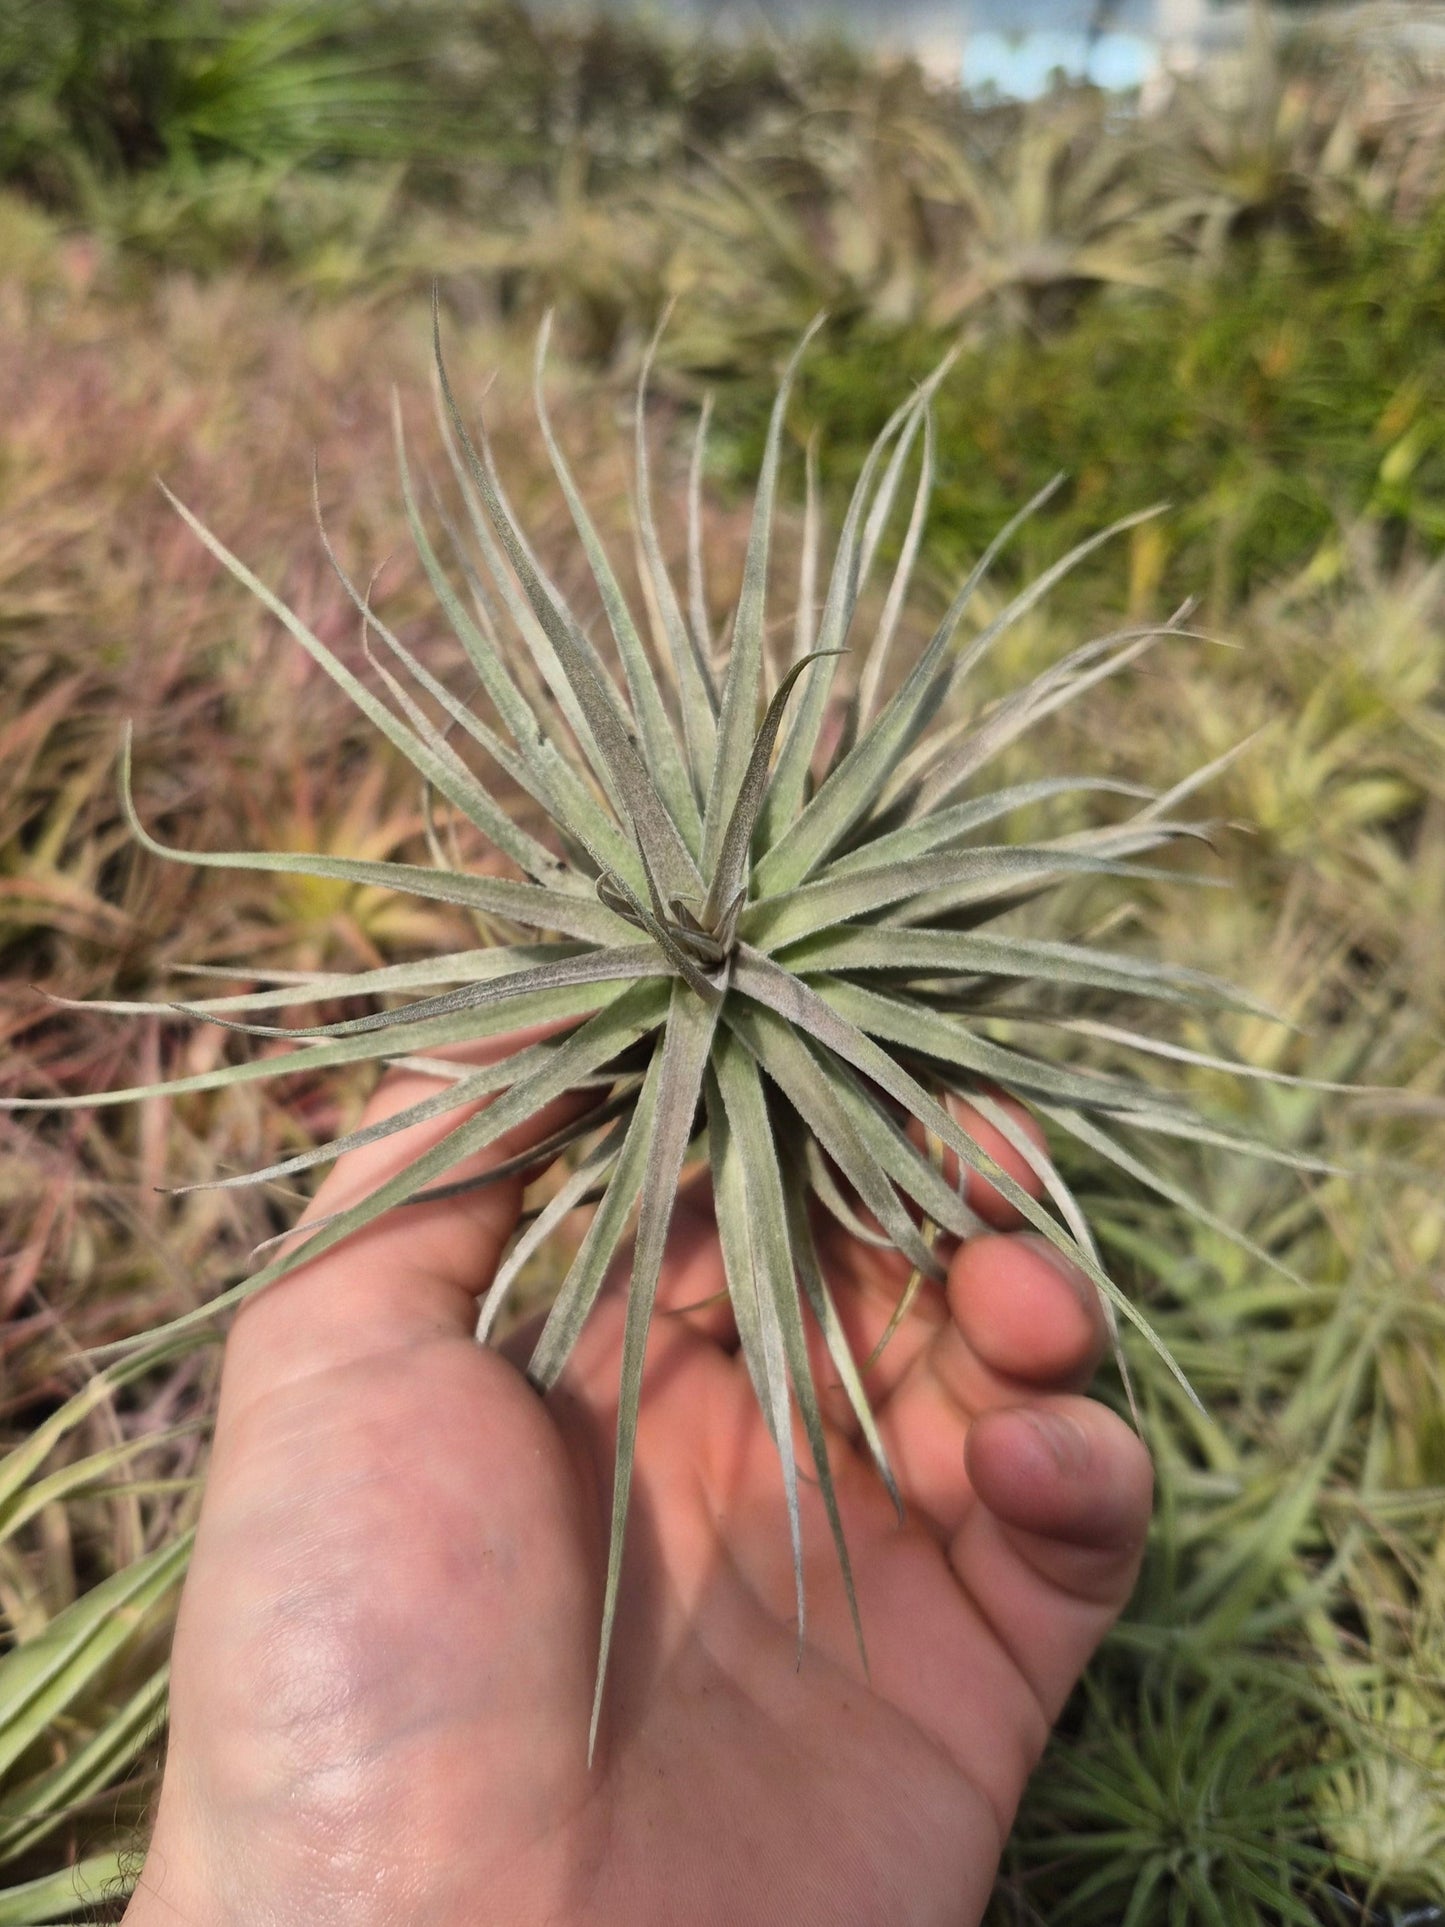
<point x="783" y="940"/>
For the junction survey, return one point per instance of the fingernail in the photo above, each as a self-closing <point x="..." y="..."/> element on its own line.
<point x="1065" y="1438"/>
<point x="1082" y="1286"/>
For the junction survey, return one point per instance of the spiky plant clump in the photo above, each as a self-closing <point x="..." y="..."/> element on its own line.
<point x="783" y="952"/>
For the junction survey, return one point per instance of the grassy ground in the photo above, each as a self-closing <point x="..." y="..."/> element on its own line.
<point x="1264" y="1740"/>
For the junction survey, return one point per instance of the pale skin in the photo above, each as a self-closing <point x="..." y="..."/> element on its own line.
<point x="387" y="1645"/>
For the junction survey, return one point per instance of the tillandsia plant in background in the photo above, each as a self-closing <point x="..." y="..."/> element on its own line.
<point x="773" y="910"/>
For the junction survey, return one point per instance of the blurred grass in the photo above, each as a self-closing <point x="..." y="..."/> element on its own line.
<point x="213" y="263"/>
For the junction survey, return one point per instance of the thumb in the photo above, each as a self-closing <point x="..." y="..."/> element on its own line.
<point x="1051" y="1551"/>
<point x="411" y="1275"/>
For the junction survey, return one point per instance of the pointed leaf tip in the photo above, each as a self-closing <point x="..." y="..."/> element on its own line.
<point x="731" y="873"/>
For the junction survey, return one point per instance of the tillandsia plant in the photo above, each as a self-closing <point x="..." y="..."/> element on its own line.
<point x="767" y="923"/>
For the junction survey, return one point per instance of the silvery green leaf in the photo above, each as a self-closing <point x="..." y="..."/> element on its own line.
<point x="825" y="1188"/>
<point x="1135" y="1040"/>
<point x="918" y="701"/>
<point x="536" y="1157"/>
<point x="466" y="1028"/>
<point x="1182" y="1124"/>
<point x="1198" y="778"/>
<point x="730" y="1203"/>
<point x="466" y="792"/>
<point x="737" y="722"/>
<point x="752" y="1263"/>
<point x="731" y="874"/>
<point x="825" y="1311"/>
<point x="1090" y="1132"/>
<point x="659" y="744"/>
<point x="324" y="986"/>
<point x="626" y="963"/>
<point x="1134" y="837"/>
<point x="851" y="786"/>
<point x="979" y="901"/>
<point x="961" y="953"/>
<point x="446" y="771"/>
<point x="904" y="1163"/>
<point x="785" y="797"/>
<point x="779" y="1300"/>
<point x="1004" y="724"/>
<point x="920" y="1029"/>
<point x="629" y="1016"/>
<point x="476" y="1084"/>
<point x="805" y="620"/>
<point x="538" y="586"/>
<point x="759" y="977"/>
<point x="686" y="1044"/>
<point x="930" y="884"/>
<point x="588" y="1272"/>
<point x="806" y="1085"/>
<point x="534" y="765"/>
<point x="596" y="1168"/>
<point x="876" y="662"/>
<point x="942" y="827"/>
<point x="688" y="649"/>
<point x="670" y="943"/>
<point x="851" y="571"/>
<point x="696" y="572"/>
<point x="916" y="416"/>
<point x="966" y="745"/>
<point x="663" y="849"/>
<point x="525" y="903"/>
<point x="419" y="752"/>
<point x="537" y="664"/>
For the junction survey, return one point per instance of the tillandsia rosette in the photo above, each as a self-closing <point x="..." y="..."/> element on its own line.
<point x="769" y="925"/>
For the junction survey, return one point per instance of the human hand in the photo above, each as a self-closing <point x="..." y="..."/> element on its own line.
<point x="386" y="1651"/>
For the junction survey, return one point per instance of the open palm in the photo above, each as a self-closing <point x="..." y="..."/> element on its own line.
<point x="387" y="1647"/>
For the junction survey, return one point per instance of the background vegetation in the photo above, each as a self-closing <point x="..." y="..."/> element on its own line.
<point x="217" y="226"/>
